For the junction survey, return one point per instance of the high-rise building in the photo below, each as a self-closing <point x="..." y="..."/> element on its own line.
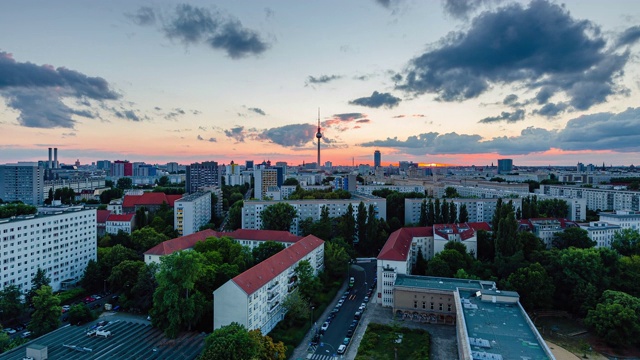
<point x="505" y="166"/>
<point x="249" y="164"/>
<point x="376" y="159"/>
<point x="23" y="181"/>
<point x="172" y="167"/>
<point x="103" y="164"/>
<point x="265" y="178"/>
<point x="191" y="212"/>
<point x="120" y="168"/>
<point x="201" y="175"/>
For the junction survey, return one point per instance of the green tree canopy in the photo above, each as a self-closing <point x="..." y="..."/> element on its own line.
<point x="291" y="181"/>
<point x="308" y="283"/>
<point x="572" y="237"/>
<point x="230" y="342"/>
<point x="146" y="238"/>
<point x="616" y="318"/>
<point x="278" y="216"/>
<point x="265" y="250"/>
<point x="80" y="314"/>
<point x="46" y="314"/>
<point x="534" y="285"/>
<point x="627" y="242"/>
<point x="336" y="258"/>
<point x="11" y="303"/>
<point x="38" y="280"/>
<point x="124" y="183"/>
<point x="234" y="220"/>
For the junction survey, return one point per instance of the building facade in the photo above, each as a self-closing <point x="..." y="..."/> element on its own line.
<point x="23" y="181"/>
<point x="191" y="212"/>
<point x="377" y="159"/>
<point x="60" y="241"/>
<point x="201" y="175"/>
<point x="601" y="232"/>
<point x="264" y="179"/>
<point x="505" y="166"/>
<point x="121" y="222"/>
<point x="254" y="298"/>
<point x="626" y="219"/>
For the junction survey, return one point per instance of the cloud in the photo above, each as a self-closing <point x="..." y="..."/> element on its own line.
<point x="510" y="99"/>
<point x="322" y="79"/>
<point x="127" y="114"/>
<point x="551" y="109"/>
<point x="349" y="116"/>
<point x="36" y="92"/>
<point x="209" y="140"/>
<point x="629" y="36"/>
<point x="509" y="117"/>
<point x="237" y="133"/>
<point x="601" y="131"/>
<point x="363" y="121"/>
<point x="144" y="16"/>
<point x="193" y="25"/>
<point x="70" y="134"/>
<point x="174" y="114"/>
<point x="504" y="48"/>
<point x="342" y="122"/>
<point x="462" y="9"/>
<point x="293" y="135"/>
<point x="377" y="100"/>
<point x="258" y="111"/>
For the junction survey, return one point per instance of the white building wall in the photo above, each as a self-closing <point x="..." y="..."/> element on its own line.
<point x="114" y="226"/>
<point x="601" y="232"/>
<point x="387" y="270"/>
<point x="230" y="304"/>
<point x="61" y="243"/>
<point x="191" y="212"/>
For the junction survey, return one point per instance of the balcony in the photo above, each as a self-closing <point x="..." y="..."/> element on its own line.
<point x="273" y="298"/>
<point x="274" y="306"/>
<point x="273" y="287"/>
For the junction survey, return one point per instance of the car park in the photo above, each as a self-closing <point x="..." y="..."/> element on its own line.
<point x="342" y="349"/>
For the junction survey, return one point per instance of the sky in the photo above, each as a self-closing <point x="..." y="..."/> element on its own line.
<point x="433" y="82"/>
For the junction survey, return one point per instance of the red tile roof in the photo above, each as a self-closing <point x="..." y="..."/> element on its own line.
<point x="102" y="215"/>
<point x="149" y="198"/>
<point x="480" y="226"/>
<point x="398" y="245"/>
<point x="187" y="242"/>
<point x="253" y="279"/>
<point x="120" y="217"/>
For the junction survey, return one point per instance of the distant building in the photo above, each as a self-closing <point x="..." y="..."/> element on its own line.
<point x="103" y="165"/>
<point x="347" y="183"/>
<point x="191" y="212"/>
<point x="545" y="228"/>
<point x="265" y="178"/>
<point x="122" y="222"/>
<point x="377" y="159"/>
<point x="626" y="219"/>
<point x="23" y="181"/>
<point x="249" y="165"/>
<point x="61" y="241"/>
<point x="478" y="210"/>
<point x="173" y="167"/>
<point x="505" y="166"/>
<point x="101" y="222"/>
<point x="601" y="232"/>
<point x="152" y="201"/>
<point x="254" y="298"/>
<point x="201" y="175"/>
<point x="121" y="168"/>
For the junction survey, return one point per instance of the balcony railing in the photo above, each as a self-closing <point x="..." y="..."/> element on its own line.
<point x="272" y="298"/>
<point x="274" y="306"/>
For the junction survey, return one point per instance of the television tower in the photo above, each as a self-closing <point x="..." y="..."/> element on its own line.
<point x="319" y="136"/>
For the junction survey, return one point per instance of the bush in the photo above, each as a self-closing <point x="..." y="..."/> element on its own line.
<point x="66" y="297"/>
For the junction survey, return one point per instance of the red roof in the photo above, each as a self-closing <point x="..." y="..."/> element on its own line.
<point x="253" y="279"/>
<point x="187" y="242"/>
<point x="149" y="198"/>
<point x="480" y="226"/>
<point x="120" y="217"/>
<point x="102" y="215"/>
<point x="398" y="245"/>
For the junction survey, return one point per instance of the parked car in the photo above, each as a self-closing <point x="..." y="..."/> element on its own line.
<point x="349" y="333"/>
<point x="66" y="307"/>
<point x="346" y="341"/>
<point x="340" y="302"/>
<point x="26" y="334"/>
<point x="324" y="327"/>
<point x="9" y="331"/>
<point x="366" y="299"/>
<point x="342" y="349"/>
<point x="357" y="315"/>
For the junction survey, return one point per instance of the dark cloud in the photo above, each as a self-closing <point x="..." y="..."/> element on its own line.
<point x="174" y="114"/>
<point x="462" y="9"/>
<point x="540" y="46"/>
<point x="551" y="109"/>
<point x="193" y="25"/>
<point x="209" y="139"/>
<point x="602" y="131"/>
<point x="377" y="100"/>
<point x="36" y="91"/>
<point x="127" y="114"/>
<point x="322" y="79"/>
<point x="399" y="116"/>
<point x="343" y="122"/>
<point x="237" y="133"/>
<point x="349" y="116"/>
<point x="629" y="36"/>
<point x="509" y="117"/>
<point x="258" y="111"/>
<point x="144" y="16"/>
<point x="203" y="128"/>
<point x="510" y="99"/>
<point x="293" y="135"/>
<point x="362" y="121"/>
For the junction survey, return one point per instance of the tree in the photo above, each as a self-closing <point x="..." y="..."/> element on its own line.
<point x="92" y="280"/>
<point x="554" y="208"/>
<point x="163" y="181"/>
<point x="124" y="276"/>
<point x="464" y="214"/>
<point x="445" y="212"/>
<point x="486" y="246"/>
<point x="336" y="258"/>
<point x="290" y="182"/>
<point x="529" y="243"/>
<point x="141" y="217"/>
<point x="177" y="305"/>
<point x="145" y="286"/>
<point x="124" y="183"/>
<point x="430" y="213"/>
<point x="38" y="280"/>
<point x="421" y="264"/>
<point x="437" y="214"/>
<point x="423" y="213"/>
<point x="451" y="192"/>
<point x="572" y="237"/>
<point x="267" y="349"/>
<point x="361" y="222"/>
<point x="506" y="235"/>
<point x="234" y="220"/>
<point x="11" y="303"/>
<point x="616" y="318"/>
<point x="230" y="342"/>
<point x="278" y="216"/>
<point x="80" y="314"/>
<point x="146" y="238"/>
<point x="627" y="242"/>
<point x="296" y="307"/>
<point x="322" y="227"/>
<point x="347" y="226"/>
<point x="453" y="213"/>
<point x="265" y="250"/>
<point x="46" y="314"/>
<point x="308" y="284"/>
<point x="534" y="285"/>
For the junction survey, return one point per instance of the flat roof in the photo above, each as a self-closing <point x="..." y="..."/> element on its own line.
<point x="437" y="283"/>
<point x="499" y="328"/>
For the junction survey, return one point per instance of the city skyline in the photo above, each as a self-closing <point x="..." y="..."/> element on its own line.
<point x="438" y="82"/>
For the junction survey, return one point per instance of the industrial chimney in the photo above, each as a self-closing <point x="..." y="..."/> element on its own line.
<point x="55" y="157"/>
<point x="50" y="163"/>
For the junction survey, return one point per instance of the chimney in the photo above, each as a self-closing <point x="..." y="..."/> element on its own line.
<point x="55" y="157"/>
<point x="50" y="164"/>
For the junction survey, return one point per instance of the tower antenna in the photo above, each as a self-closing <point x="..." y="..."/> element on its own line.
<point x="319" y="136"/>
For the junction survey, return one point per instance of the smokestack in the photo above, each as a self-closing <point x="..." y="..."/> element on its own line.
<point x="50" y="164"/>
<point x="55" y="157"/>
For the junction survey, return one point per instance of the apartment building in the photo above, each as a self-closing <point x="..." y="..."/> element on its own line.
<point x="60" y="241"/>
<point x="202" y="174"/>
<point x="252" y="210"/>
<point x="601" y="232"/>
<point x="369" y="189"/>
<point x="191" y="212"/>
<point x="626" y="219"/>
<point x="22" y="181"/>
<point x="545" y="228"/>
<point x="248" y="238"/>
<point x="478" y="210"/>
<point x="120" y="222"/>
<point x="152" y="201"/>
<point x="265" y="179"/>
<point x="253" y="298"/>
<point x="597" y="199"/>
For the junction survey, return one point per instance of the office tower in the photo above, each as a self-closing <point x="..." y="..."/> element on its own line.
<point x="201" y="175"/>
<point x="22" y="182"/>
<point x="50" y="160"/>
<point x="56" y="164"/>
<point x="505" y="166"/>
<point x="376" y="159"/>
<point x="103" y="164"/>
<point x="249" y="165"/>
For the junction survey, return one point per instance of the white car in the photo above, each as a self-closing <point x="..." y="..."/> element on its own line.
<point x="9" y="331"/>
<point x="340" y="302"/>
<point x="342" y="349"/>
<point x="324" y="327"/>
<point x="66" y="307"/>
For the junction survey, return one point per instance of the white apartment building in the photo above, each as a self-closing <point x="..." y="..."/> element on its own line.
<point x="248" y="238"/>
<point x="22" y="181"/>
<point x="254" y="298"/>
<point x="597" y="199"/>
<point x="369" y="189"/>
<point x="545" y="228"/>
<point x="479" y="210"/>
<point x="191" y="212"/>
<point x="601" y="232"/>
<point x="61" y="242"/>
<point x="120" y="222"/>
<point x="77" y="185"/>
<point x="626" y="219"/>
<point x="252" y="209"/>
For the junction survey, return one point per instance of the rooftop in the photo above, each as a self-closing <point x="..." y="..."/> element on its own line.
<point x="437" y="283"/>
<point x="398" y="245"/>
<point x="195" y="195"/>
<point x="128" y="341"/>
<point x="120" y="217"/>
<point x="150" y="198"/>
<point x="502" y="329"/>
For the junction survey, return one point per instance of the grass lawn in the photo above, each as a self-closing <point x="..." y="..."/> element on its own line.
<point x="385" y="342"/>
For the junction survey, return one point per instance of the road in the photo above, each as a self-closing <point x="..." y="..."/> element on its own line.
<point x="364" y="273"/>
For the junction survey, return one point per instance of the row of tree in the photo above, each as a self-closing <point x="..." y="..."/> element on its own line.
<point x="16" y="209"/>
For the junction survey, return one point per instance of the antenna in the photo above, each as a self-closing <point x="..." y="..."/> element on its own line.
<point x="318" y="136"/>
